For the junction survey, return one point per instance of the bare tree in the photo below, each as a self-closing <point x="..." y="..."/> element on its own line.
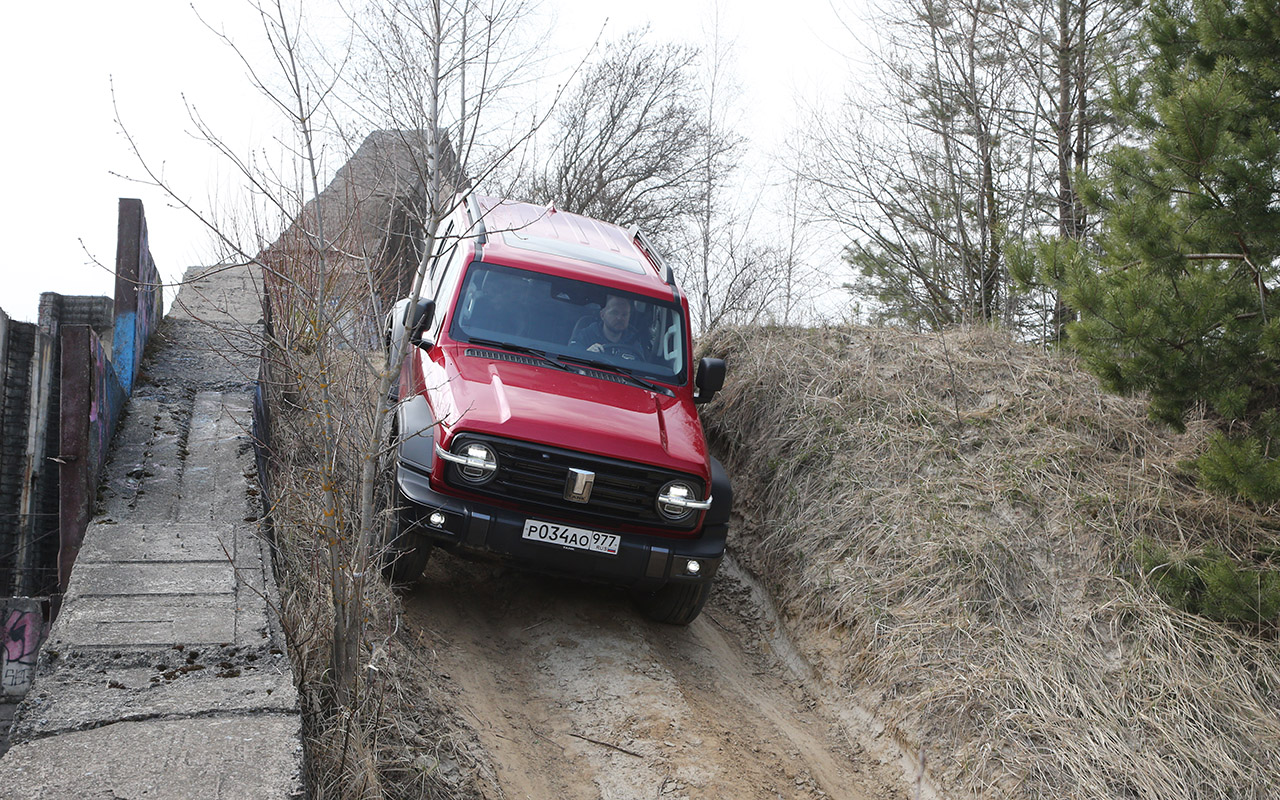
<point x="923" y="182"/>
<point x="424" y="76"/>
<point x="649" y="138"/>
<point x="627" y="138"/>
<point x="984" y="117"/>
<point x="1069" y="51"/>
<point x="731" y="274"/>
<point x="420" y="54"/>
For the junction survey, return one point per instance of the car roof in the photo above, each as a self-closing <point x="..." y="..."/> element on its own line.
<point x="546" y="239"/>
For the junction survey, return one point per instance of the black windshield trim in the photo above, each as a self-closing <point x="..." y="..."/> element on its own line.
<point x="656" y="370"/>
<point x="605" y="366"/>
<point x="523" y="349"/>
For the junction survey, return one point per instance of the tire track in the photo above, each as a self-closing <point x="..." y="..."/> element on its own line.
<point x="573" y="695"/>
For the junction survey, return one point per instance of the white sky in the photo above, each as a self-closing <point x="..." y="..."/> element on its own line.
<point x="60" y="61"/>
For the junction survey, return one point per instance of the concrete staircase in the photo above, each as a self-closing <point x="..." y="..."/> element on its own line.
<point x="166" y="673"/>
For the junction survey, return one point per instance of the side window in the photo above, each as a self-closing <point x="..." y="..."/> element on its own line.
<point x="445" y="275"/>
<point x="444" y="249"/>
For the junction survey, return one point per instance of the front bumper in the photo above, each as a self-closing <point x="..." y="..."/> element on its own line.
<point x="642" y="561"/>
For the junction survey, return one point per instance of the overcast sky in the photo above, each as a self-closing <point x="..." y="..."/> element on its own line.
<point x="68" y="155"/>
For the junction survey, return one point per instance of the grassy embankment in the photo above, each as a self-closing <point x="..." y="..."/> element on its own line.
<point x="961" y="515"/>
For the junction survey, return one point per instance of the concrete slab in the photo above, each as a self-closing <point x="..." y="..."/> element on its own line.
<point x="253" y="624"/>
<point x="213" y="476"/>
<point x="140" y="480"/>
<point x="157" y="541"/>
<point x="118" y="495"/>
<point x="173" y="578"/>
<point x="217" y="681"/>
<point x="147" y="621"/>
<point x="239" y="757"/>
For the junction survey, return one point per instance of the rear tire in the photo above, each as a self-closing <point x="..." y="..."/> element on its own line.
<point x="674" y="603"/>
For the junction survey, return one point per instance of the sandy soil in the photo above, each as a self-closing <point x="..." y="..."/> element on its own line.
<point x="574" y="696"/>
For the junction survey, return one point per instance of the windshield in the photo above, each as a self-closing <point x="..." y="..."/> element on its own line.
<point x="572" y="320"/>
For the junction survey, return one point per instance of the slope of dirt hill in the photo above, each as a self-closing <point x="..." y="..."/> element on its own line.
<point x="932" y="593"/>
<point x="947" y="528"/>
<point x="949" y="525"/>
<point x="570" y="694"/>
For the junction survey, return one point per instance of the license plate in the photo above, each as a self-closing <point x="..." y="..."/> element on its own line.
<point x="577" y="538"/>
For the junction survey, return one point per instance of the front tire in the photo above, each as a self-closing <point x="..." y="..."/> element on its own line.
<point x="674" y="603"/>
<point x="405" y="551"/>
<point x="404" y="554"/>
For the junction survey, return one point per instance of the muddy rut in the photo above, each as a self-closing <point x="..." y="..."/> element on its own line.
<point x="575" y="697"/>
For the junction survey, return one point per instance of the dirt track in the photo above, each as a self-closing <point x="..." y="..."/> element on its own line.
<point x="574" y="696"/>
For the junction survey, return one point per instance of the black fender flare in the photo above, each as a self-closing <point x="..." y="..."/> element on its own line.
<point x="415" y="433"/>
<point x="721" y="495"/>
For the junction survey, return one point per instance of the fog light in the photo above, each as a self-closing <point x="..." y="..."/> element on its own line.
<point x="436" y="520"/>
<point x="692" y="567"/>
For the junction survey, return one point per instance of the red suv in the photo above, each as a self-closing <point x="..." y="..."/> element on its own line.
<point x="546" y="410"/>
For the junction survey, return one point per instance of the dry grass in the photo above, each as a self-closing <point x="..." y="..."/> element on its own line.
<point x="961" y="512"/>
<point x="402" y="739"/>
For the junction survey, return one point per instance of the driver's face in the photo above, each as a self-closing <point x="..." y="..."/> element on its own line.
<point x="616" y="315"/>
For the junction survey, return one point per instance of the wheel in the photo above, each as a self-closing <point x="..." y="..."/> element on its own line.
<point x="674" y="603"/>
<point x="405" y="552"/>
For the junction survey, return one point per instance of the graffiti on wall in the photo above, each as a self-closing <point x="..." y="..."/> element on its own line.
<point x="139" y="301"/>
<point x="23" y="631"/>
<point x="105" y="405"/>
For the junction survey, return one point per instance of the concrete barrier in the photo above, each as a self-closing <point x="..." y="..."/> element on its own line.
<point x="139" y="302"/>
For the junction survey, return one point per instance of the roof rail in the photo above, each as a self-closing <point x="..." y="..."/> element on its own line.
<point x="649" y="250"/>
<point x="477" y="219"/>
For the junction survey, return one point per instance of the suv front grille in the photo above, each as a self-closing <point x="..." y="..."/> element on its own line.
<point x="536" y="476"/>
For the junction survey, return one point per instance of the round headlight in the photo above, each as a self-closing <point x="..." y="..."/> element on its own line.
<point x="479" y="463"/>
<point x="675" y="501"/>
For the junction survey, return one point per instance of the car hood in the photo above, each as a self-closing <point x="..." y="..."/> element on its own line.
<point x="564" y="409"/>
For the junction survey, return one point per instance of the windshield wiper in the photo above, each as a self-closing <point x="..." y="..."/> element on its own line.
<point x="558" y="363"/>
<point x="622" y="371"/>
<point x="519" y="348"/>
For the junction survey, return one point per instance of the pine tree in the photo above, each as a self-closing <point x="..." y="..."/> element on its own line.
<point x="1179" y="303"/>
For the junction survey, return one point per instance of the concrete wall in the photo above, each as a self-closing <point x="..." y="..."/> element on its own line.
<point x="63" y="382"/>
<point x="25" y="410"/>
<point x="30" y="362"/>
<point x="92" y="400"/>
<point x="17" y="340"/>
<point x="139" y="304"/>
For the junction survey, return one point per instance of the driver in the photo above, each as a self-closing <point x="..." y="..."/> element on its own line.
<point x="612" y="333"/>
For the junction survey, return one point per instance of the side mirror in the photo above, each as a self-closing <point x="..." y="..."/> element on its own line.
<point x="709" y="379"/>
<point x="416" y="319"/>
<point x="423" y="314"/>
